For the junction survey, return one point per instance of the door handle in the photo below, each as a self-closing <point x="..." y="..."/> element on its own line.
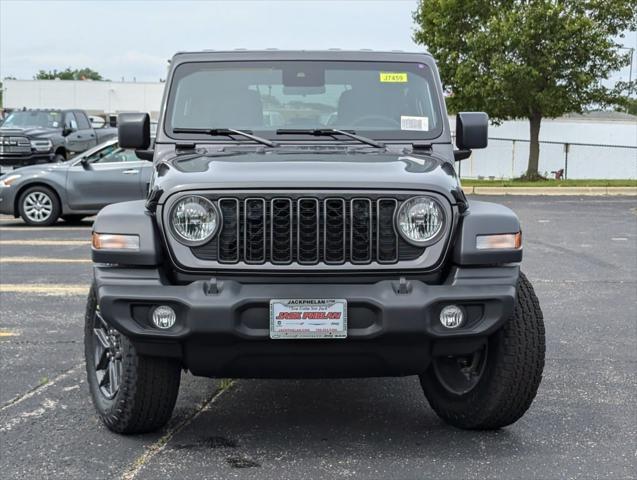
<point x="130" y="171"/>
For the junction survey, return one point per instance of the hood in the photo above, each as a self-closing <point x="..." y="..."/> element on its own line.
<point x="314" y="171"/>
<point x="39" y="169"/>
<point x="30" y="132"/>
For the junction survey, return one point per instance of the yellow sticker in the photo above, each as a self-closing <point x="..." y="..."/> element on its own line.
<point x="393" y="77"/>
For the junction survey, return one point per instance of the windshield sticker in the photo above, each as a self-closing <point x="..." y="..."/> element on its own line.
<point x="393" y="77"/>
<point x="414" y="123"/>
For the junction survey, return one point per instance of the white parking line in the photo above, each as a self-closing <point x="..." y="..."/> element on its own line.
<point x="40" y="388"/>
<point x="4" y="333"/>
<point x="160" y="444"/>
<point x="43" y="229"/>
<point x="31" y="415"/>
<point x="43" y="260"/>
<point x="44" y="243"/>
<point x="44" y="289"/>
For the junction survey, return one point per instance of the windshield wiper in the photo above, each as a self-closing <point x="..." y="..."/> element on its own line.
<point x="329" y="132"/>
<point x="228" y="132"/>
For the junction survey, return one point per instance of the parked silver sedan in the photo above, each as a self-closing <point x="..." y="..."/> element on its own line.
<point x="76" y="188"/>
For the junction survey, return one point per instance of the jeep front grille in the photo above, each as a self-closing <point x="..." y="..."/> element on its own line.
<point x="307" y="231"/>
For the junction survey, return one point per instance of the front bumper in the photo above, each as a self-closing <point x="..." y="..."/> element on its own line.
<point x="10" y="161"/>
<point x="7" y="200"/>
<point x="391" y="330"/>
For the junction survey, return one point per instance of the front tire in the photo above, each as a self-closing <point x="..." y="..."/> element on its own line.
<point x="39" y="206"/>
<point x="131" y="393"/>
<point x="494" y="387"/>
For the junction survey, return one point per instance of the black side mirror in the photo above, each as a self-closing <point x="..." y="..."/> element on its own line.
<point x="147" y="155"/>
<point x="66" y="131"/>
<point x="86" y="165"/>
<point x="472" y="130"/>
<point x="133" y="130"/>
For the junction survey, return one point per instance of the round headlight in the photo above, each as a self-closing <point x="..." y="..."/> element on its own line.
<point x="420" y="220"/>
<point x="194" y="220"/>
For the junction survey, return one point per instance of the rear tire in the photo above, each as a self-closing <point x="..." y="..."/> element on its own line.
<point x="143" y="396"/>
<point x="39" y="206"/>
<point x="510" y="371"/>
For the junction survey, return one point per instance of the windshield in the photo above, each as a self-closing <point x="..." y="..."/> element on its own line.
<point x="33" y="118"/>
<point x="380" y="100"/>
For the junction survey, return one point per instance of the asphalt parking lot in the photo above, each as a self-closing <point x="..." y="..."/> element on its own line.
<point x="581" y="254"/>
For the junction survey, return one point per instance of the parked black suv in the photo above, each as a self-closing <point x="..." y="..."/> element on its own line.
<point x="28" y="137"/>
<point x="305" y="220"/>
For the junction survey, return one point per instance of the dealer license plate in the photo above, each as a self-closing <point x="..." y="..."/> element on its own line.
<point x="308" y="318"/>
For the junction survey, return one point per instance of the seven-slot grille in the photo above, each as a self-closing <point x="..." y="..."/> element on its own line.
<point x="307" y="231"/>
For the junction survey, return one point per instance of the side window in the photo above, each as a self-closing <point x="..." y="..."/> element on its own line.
<point x="104" y="153"/>
<point x="114" y="154"/>
<point x="70" y="120"/>
<point x="82" y="121"/>
<point x="129" y="156"/>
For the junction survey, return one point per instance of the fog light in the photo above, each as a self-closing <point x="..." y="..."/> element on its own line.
<point x="451" y="316"/>
<point x="164" y="317"/>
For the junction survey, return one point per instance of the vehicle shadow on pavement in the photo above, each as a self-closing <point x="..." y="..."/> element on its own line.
<point x="263" y="422"/>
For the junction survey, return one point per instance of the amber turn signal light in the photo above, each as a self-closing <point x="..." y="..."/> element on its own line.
<point x="504" y="241"/>
<point x="112" y="241"/>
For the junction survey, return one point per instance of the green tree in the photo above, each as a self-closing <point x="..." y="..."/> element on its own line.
<point x="630" y="106"/>
<point x="69" y="74"/>
<point x="529" y="59"/>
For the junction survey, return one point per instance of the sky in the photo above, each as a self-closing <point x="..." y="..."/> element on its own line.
<point x="132" y="40"/>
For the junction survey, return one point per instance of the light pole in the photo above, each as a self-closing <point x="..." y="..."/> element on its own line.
<point x="631" y="51"/>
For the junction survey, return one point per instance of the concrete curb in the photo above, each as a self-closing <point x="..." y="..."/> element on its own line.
<point x="579" y="191"/>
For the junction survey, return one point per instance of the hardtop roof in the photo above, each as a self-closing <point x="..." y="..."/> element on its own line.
<point x="275" y="54"/>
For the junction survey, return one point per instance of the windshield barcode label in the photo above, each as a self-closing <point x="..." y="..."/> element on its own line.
<point x="414" y="123"/>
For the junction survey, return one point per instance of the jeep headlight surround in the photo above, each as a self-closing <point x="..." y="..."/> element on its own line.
<point x="420" y="220"/>
<point x="194" y="220"/>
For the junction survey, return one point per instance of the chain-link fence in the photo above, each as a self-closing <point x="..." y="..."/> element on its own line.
<point x="508" y="158"/>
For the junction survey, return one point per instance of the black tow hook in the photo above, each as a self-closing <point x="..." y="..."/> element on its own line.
<point x="403" y="287"/>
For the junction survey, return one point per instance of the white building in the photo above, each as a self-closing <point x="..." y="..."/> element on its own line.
<point x="97" y="98"/>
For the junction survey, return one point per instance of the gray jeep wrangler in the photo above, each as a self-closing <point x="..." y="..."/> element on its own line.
<point x="304" y="220"/>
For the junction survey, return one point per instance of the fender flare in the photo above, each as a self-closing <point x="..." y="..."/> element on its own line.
<point x="129" y="218"/>
<point x="485" y="218"/>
